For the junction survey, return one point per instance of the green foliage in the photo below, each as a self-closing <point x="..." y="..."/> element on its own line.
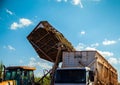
<point x="1" y="69"/>
<point x="46" y="80"/>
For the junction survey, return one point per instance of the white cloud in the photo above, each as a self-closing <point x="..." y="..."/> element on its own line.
<point x="95" y="45"/>
<point x="9" y="12"/>
<point x="74" y="2"/>
<point x="106" y="53"/>
<point x="32" y="62"/>
<point x="38" y="56"/>
<point x="21" y="61"/>
<point x="109" y="42"/>
<point x="65" y="0"/>
<point x="42" y="64"/>
<point x="23" y="22"/>
<point x="80" y="46"/>
<point x="15" y="25"/>
<point x="90" y="48"/>
<point x="103" y="53"/>
<point x="9" y="47"/>
<point x="59" y="0"/>
<point x="113" y="60"/>
<point x="82" y="32"/>
<point x="32" y="59"/>
<point x="96" y="0"/>
<point x="77" y="2"/>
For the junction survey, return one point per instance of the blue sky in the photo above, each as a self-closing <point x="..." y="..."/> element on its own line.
<point x="87" y="24"/>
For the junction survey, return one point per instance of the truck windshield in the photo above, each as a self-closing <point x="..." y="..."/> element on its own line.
<point x="70" y="76"/>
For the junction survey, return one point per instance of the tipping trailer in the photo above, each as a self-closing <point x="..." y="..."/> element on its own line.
<point x="46" y="40"/>
<point x="85" y="68"/>
<point x="52" y="46"/>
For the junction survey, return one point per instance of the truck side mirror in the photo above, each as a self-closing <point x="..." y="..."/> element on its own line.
<point x="91" y="76"/>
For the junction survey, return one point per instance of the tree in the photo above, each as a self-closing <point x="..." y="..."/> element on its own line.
<point x="46" y="80"/>
<point x="1" y="69"/>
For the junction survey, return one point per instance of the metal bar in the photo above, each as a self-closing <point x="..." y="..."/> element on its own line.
<point x="42" y="51"/>
<point x="46" y="43"/>
<point x="91" y="62"/>
<point x="56" y="63"/>
<point x="81" y="64"/>
<point x="51" y="48"/>
<point x="42" y="37"/>
<point x="45" y="75"/>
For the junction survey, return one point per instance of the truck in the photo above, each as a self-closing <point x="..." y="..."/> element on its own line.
<point x="85" y="68"/>
<point x="78" y="67"/>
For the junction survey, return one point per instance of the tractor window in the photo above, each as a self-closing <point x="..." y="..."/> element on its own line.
<point x="25" y="74"/>
<point x="13" y="75"/>
<point x="25" y="77"/>
<point x="7" y="76"/>
<point x="10" y="75"/>
<point x="31" y="75"/>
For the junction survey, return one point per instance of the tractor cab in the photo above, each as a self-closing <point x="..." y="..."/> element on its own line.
<point x="23" y="75"/>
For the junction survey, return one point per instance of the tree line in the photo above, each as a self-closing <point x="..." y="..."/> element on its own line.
<point x="1" y="70"/>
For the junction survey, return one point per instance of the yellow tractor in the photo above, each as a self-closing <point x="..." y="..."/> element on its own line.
<point x="18" y="75"/>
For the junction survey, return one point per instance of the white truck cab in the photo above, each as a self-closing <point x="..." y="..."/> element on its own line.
<point x="74" y="76"/>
